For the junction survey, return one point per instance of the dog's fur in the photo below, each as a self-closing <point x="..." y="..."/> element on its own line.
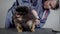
<point x="24" y="19"/>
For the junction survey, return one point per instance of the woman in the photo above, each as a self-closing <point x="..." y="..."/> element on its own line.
<point x="38" y="9"/>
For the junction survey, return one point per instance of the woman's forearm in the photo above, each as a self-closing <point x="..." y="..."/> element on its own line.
<point x="37" y="21"/>
<point x="35" y="13"/>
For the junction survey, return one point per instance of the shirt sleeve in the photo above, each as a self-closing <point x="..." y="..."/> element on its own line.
<point x="10" y="12"/>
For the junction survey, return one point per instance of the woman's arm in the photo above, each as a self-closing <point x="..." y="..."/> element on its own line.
<point x="37" y="21"/>
<point x="35" y="13"/>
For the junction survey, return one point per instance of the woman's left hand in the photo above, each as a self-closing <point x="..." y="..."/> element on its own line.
<point x="37" y="21"/>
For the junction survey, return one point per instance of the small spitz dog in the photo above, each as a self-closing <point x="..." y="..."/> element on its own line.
<point x="23" y="19"/>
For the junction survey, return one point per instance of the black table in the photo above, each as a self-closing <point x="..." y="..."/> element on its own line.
<point x="37" y="31"/>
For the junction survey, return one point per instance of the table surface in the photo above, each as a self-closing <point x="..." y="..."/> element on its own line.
<point x="37" y="31"/>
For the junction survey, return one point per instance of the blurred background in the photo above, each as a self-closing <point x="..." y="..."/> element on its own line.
<point x="53" y="20"/>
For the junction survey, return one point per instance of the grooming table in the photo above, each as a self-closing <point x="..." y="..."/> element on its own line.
<point x="37" y="31"/>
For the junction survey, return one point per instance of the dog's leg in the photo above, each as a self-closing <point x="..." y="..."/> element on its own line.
<point x="19" y="27"/>
<point x="33" y="27"/>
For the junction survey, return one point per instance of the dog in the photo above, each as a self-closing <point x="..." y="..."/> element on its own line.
<point x="24" y="19"/>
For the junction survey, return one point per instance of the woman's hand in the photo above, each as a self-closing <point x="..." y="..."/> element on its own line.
<point x="54" y="3"/>
<point x="47" y="4"/>
<point x="50" y="4"/>
<point x="37" y="21"/>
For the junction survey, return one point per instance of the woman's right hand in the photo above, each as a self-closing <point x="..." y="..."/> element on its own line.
<point x="50" y="4"/>
<point x="47" y="4"/>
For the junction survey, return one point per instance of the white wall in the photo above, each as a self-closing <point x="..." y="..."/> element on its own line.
<point x="52" y="21"/>
<point x="4" y="6"/>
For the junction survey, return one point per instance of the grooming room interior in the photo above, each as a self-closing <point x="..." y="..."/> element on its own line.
<point x="52" y="25"/>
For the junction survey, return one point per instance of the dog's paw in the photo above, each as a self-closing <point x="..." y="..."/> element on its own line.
<point x="32" y="30"/>
<point x="19" y="30"/>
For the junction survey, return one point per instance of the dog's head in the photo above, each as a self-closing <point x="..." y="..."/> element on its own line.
<point x="22" y="10"/>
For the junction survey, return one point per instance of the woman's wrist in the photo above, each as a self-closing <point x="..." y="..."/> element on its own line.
<point x="37" y="18"/>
